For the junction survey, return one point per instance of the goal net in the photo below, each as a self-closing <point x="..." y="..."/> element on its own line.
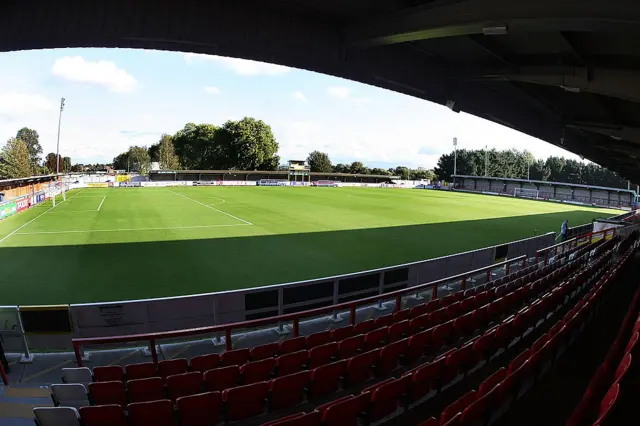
<point x="56" y="192"/>
<point x="526" y="193"/>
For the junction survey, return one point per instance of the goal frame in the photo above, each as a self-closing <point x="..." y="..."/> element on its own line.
<point x="521" y="193"/>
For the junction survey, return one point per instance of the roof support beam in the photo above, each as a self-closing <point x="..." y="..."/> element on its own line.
<point x="448" y="19"/>
<point x="617" y="83"/>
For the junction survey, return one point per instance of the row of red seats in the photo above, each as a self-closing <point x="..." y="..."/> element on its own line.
<point x="615" y="374"/>
<point x="496" y="393"/>
<point x="385" y="397"/>
<point x="218" y="379"/>
<point x="357" y="369"/>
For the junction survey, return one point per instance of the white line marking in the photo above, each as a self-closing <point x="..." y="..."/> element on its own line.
<point x="34" y="219"/>
<point x="100" y="206"/>
<point x="212" y="208"/>
<point x="73" y="211"/>
<point x="130" y="229"/>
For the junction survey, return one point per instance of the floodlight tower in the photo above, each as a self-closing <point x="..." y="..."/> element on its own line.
<point x="455" y="160"/>
<point x="58" y="145"/>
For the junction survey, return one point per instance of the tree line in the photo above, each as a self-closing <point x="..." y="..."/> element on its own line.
<point x="517" y="164"/>
<point x="21" y="157"/>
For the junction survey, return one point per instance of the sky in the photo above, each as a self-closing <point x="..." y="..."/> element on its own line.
<point x="121" y="97"/>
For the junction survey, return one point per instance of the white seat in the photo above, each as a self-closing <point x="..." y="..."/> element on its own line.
<point x="56" y="416"/>
<point x="77" y="375"/>
<point x="70" y="395"/>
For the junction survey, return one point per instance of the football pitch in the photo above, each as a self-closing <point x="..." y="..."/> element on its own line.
<point x="130" y="243"/>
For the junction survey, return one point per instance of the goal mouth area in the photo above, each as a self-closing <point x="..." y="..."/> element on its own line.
<point x="526" y="193"/>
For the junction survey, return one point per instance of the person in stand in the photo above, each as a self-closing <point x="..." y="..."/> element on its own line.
<point x="564" y="230"/>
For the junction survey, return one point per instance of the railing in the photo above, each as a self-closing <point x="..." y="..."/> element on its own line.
<point x="294" y="317"/>
<point x="5" y="378"/>
<point x="543" y="254"/>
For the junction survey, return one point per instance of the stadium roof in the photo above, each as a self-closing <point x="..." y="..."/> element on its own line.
<point x="564" y="71"/>
<point x="544" y="182"/>
<point x="30" y="179"/>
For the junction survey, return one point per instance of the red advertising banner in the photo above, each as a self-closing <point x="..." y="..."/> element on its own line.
<point x="22" y="204"/>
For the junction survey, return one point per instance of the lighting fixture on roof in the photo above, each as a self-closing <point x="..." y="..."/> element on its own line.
<point x="499" y="30"/>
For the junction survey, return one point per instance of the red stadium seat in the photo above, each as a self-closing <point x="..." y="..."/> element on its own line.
<point x="425" y="378"/>
<point x="437" y="316"/>
<point x="108" y="393"/>
<point x="397" y="331"/>
<point x="539" y="343"/>
<point x="257" y="371"/>
<point x="463" y="325"/>
<point x="219" y="379"/>
<point x="363" y="327"/>
<point x="172" y="367"/>
<point x="386" y="399"/>
<point x="418" y="344"/>
<point x="103" y="415"/>
<point x="326" y="379"/>
<point x="623" y="367"/>
<point x="467" y="305"/>
<point x="184" y="384"/>
<point x="430" y="422"/>
<point x="293" y="345"/>
<point x="317" y="339"/>
<point x="375" y="339"/>
<point x="401" y="315"/>
<point x="495" y="310"/>
<point x="491" y="382"/>
<point x="631" y="346"/>
<point x="321" y="355"/>
<point x="457" y="362"/>
<point x="383" y="321"/>
<point x="608" y="402"/>
<point x="244" y="402"/>
<point x="235" y="357"/>
<point x="441" y="334"/>
<point x="457" y="407"/>
<point x="480" y="317"/>
<point x="389" y="356"/>
<point x="108" y="373"/>
<point x="300" y="419"/>
<point x="291" y="363"/>
<point x="203" y="409"/>
<point x="419" y="310"/>
<point x="518" y="361"/>
<point x="288" y="391"/>
<point x="349" y="346"/>
<point x="452" y="311"/>
<point x="141" y="371"/>
<point x="143" y="390"/>
<point x="360" y="366"/>
<point x="454" y="421"/>
<point x="342" y="333"/>
<point x="418" y="324"/>
<point x="505" y="332"/>
<point x="204" y="363"/>
<point x="322" y="408"/>
<point x="156" y="413"/>
<point x="270" y="350"/>
<point x="346" y="413"/>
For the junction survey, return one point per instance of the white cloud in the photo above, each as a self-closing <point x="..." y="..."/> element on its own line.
<point x="299" y="96"/>
<point x="102" y="73"/>
<point x="339" y="92"/>
<point x="212" y="90"/>
<point x="239" y="66"/>
<point x="20" y="104"/>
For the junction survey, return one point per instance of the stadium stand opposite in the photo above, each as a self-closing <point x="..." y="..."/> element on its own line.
<point x="463" y="359"/>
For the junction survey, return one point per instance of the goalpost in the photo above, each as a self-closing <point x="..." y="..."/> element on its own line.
<point x="526" y="193"/>
<point x="57" y="188"/>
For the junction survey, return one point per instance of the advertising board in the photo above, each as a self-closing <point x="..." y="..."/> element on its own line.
<point x="22" y="204"/>
<point x="130" y="184"/>
<point x="97" y="185"/>
<point x="8" y="209"/>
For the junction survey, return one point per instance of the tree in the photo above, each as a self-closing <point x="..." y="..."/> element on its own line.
<point x="32" y="139"/>
<point x="358" y="167"/>
<point x="66" y="164"/>
<point x="140" y="160"/>
<point x="341" y="168"/>
<point x="319" y="162"/>
<point x="50" y="162"/>
<point x="122" y="162"/>
<point x="154" y="150"/>
<point x="77" y="168"/>
<point x="196" y="146"/>
<point x="379" y="171"/>
<point x="402" y="171"/>
<point x="15" y="162"/>
<point x="166" y="155"/>
<point x="247" y="144"/>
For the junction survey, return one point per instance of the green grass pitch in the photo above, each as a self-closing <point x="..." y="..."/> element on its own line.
<point x="130" y="243"/>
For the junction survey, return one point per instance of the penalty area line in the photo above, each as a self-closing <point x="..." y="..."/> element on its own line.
<point x="101" y="202"/>
<point x="246" y="222"/>
<point x="89" y="231"/>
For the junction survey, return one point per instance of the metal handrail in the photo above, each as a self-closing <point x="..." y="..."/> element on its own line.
<point x="294" y="317"/>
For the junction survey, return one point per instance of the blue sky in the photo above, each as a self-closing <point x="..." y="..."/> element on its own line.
<point x="118" y="97"/>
